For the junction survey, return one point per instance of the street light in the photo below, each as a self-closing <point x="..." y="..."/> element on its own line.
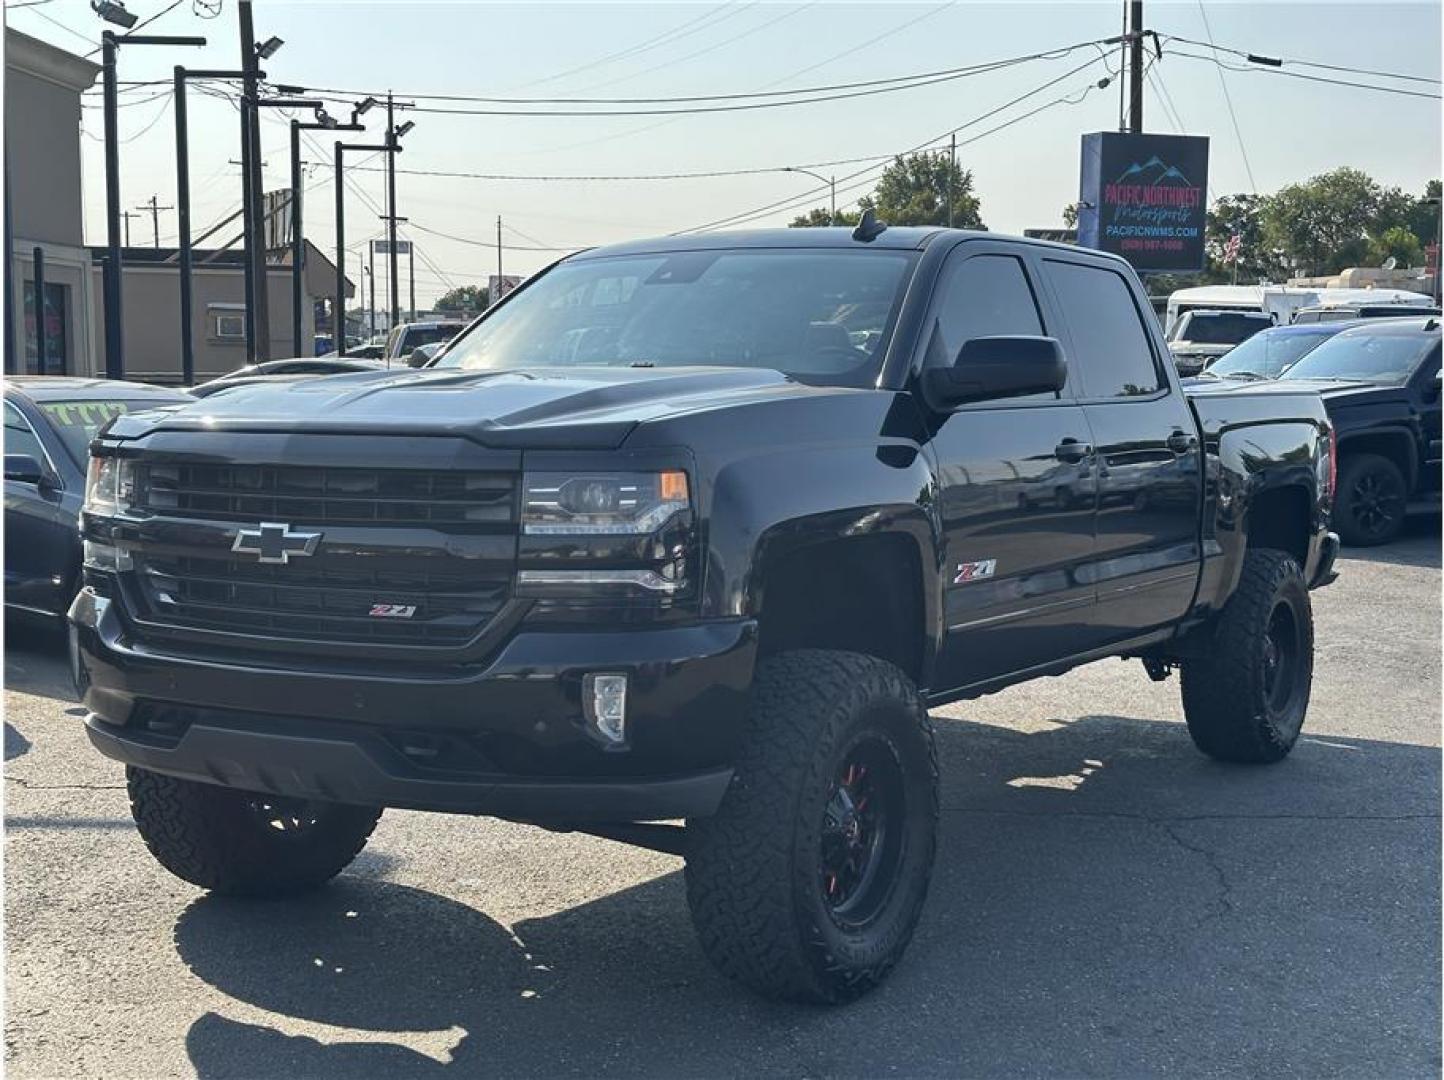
<point x="113" y="12"/>
<point x="394" y="133"/>
<point x="830" y="181"/>
<point x="269" y="48"/>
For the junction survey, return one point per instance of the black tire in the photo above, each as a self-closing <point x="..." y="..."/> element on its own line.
<point x="244" y="844"/>
<point x="1371" y="501"/>
<point x="1245" y="701"/>
<point x="798" y="890"/>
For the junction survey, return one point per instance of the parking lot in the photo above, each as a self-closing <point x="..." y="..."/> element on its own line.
<point x="1107" y="902"/>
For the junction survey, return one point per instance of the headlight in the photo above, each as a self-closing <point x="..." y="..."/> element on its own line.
<point x="109" y="485"/>
<point x="602" y="504"/>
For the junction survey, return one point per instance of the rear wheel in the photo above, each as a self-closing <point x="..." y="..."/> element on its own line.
<point x="808" y="882"/>
<point x="1372" y="497"/>
<point x="244" y="843"/>
<point x="1245" y="700"/>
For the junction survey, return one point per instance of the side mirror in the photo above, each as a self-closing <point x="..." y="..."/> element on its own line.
<point x="1434" y="386"/>
<point x="24" y="469"/>
<point x="418" y="358"/>
<point x="991" y="368"/>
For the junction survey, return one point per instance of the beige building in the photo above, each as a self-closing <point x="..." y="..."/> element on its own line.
<point x="150" y="298"/>
<point x="43" y="207"/>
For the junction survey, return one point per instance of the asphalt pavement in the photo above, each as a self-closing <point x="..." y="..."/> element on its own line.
<point x="1107" y="902"/>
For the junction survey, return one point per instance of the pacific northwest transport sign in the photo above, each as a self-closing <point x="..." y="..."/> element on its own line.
<point x="1145" y="197"/>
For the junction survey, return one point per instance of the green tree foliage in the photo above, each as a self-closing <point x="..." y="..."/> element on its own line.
<point x="466" y="300"/>
<point x="1321" y="225"/>
<point x="1242" y="216"/>
<point x="913" y="190"/>
<point x="1397" y="243"/>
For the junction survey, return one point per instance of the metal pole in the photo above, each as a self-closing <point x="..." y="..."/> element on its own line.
<point x="1135" y="66"/>
<point x="371" y="269"/>
<point x="296" y="252"/>
<point x="338" y="312"/>
<point x="183" y="223"/>
<point x="952" y="164"/>
<point x="9" y="278"/>
<point x="114" y="340"/>
<point x="126" y="214"/>
<point x="499" y="286"/>
<point x="411" y="274"/>
<point x="247" y="251"/>
<point x="255" y="234"/>
<point x="41" y="343"/>
<point x="392" y="278"/>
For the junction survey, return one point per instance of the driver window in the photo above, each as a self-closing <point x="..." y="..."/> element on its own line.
<point x="19" y="438"/>
<point x="982" y="296"/>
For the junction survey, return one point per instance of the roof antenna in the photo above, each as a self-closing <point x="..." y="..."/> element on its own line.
<point x="869" y="228"/>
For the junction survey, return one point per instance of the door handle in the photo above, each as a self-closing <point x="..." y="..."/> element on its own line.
<point x="1181" y="442"/>
<point x="1072" y="451"/>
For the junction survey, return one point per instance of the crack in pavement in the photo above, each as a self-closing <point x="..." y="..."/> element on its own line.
<point x="31" y="785"/>
<point x="1225" y="887"/>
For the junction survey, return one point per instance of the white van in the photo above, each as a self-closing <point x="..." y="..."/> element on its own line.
<point x="1281" y="301"/>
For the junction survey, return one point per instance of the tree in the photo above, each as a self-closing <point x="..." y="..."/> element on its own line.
<point x="467" y="300"/>
<point x="1397" y="243"/>
<point x="913" y="190"/>
<point x="1242" y="216"/>
<point x="821" y="216"/>
<point x="1321" y="225"/>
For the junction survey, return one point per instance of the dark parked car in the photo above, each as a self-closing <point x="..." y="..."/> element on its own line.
<point x="1380" y="384"/>
<point x="696" y="528"/>
<point x="49" y="422"/>
<point x="1268" y="354"/>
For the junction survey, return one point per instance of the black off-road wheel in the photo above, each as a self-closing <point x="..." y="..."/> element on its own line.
<point x="1245" y="700"/>
<point x="241" y="843"/>
<point x="1371" y="501"/>
<point x="809" y="881"/>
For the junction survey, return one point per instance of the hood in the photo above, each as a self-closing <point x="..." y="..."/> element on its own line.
<point x="571" y="408"/>
<point x="1189" y="348"/>
<point x="1323" y="387"/>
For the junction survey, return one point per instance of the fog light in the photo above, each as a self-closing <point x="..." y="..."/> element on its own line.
<point x="99" y="556"/>
<point x="605" y="701"/>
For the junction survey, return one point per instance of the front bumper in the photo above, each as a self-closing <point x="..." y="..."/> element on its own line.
<point x="508" y="738"/>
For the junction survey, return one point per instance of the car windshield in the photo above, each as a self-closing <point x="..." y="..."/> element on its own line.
<point x="821" y="316"/>
<point x="76" y="422"/>
<point x="1382" y="359"/>
<point x="1219" y="329"/>
<point x="1266" y="355"/>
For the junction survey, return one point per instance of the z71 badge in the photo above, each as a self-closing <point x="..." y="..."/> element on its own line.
<point x="975" y="571"/>
<point x="393" y="611"/>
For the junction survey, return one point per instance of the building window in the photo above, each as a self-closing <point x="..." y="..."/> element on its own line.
<point x="57" y="308"/>
<point x="230" y="327"/>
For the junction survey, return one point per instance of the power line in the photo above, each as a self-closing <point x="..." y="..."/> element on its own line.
<point x="814" y="193"/>
<point x="1255" y="58"/>
<point x="57" y="23"/>
<point x="1309" y="78"/>
<point x="1228" y="100"/>
<point x="870" y="41"/>
<point x="733" y="102"/>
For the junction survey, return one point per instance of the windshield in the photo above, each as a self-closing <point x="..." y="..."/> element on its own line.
<point x="76" y="422"/>
<point x="821" y="316"/>
<point x="1220" y="329"/>
<point x="1266" y="355"/>
<point x="1382" y="359"/>
<point x="417" y="336"/>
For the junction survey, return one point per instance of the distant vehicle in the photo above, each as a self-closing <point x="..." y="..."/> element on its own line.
<point x="1270" y="353"/>
<point x="1281" y="301"/>
<point x="1326" y="313"/>
<point x="49" y="422"/>
<point x="405" y="338"/>
<point x="300" y="365"/>
<point x="372" y="350"/>
<point x="1380" y="385"/>
<point x="1202" y="336"/>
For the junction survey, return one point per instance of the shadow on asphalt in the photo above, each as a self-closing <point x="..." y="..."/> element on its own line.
<point x="36" y="661"/>
<point x="1418" y="545"/>
<point x="1105" y="901"/>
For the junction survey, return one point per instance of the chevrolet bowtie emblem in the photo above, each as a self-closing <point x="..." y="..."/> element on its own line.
<point x="273" y="542"/>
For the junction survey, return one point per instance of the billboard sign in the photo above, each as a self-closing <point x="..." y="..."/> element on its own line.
<point x="1144" y="197"/>
<point x="383" y="247"/>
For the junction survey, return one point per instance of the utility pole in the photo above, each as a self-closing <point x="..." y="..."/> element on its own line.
<point x="499" y="285"/>
<point x="411" y="274"/>
<point x="1135" y="66"/>
<point x="153" y="208"/>
<point x="111" y="279"/>
<point x="371" y="273"/>
<point x="391" y="209"/>
<point x="127" y="215"/>
<point x="258" y="321"/>
<point x="952" y="165"/>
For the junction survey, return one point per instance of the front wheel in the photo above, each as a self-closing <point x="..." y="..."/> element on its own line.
<point x="1246" y="698"/>
<point x="808" y="882"/>
<point x="243" y="843"/>
<point x="1373" y="495"/>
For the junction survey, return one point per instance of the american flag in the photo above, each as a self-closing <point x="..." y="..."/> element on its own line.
<point x="1230" y="249"/>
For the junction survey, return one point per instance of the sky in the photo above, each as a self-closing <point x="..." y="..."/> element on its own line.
<point x="1288" y="129"/>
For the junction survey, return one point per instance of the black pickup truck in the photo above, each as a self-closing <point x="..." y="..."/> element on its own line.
<point x="699" y="529"/>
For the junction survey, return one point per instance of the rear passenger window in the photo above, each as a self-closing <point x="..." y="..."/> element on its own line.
<point x="982" y="296"/>
<point x="1111" y="349"/>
